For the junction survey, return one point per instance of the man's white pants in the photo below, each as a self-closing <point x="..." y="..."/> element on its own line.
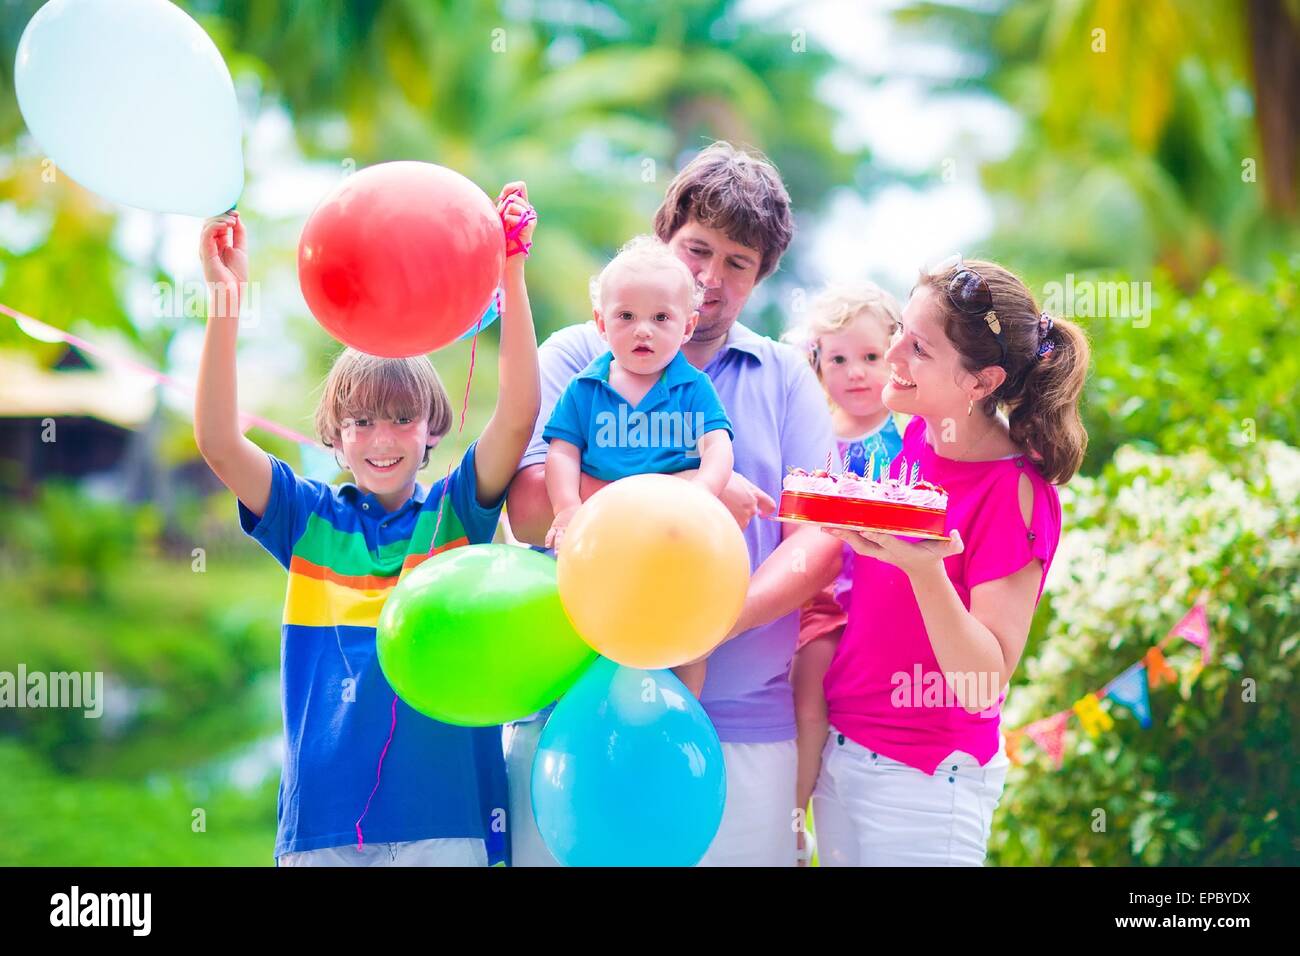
<point x="869" y="810"/>
<point x="758" y="822"/>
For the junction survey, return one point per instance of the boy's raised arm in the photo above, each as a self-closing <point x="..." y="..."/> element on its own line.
<point x="519" y="396"/>
<point x="242" y="467"/>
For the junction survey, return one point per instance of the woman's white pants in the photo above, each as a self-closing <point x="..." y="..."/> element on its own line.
<point x="869" y="810"/>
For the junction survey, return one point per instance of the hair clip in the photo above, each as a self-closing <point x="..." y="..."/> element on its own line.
<point x="1045" y="326"/>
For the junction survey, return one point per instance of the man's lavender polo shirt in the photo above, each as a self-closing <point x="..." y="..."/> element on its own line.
<point x="781" y="421"/>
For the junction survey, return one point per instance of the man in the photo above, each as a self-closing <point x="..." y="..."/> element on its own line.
<point x="727" y="216"/>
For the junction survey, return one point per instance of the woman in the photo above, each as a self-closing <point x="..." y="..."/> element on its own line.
<point x="914" y="764"/>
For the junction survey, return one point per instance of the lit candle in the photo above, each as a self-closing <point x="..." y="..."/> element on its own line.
<point x="871" y="466"/>
<point x="829" y="462"/>
<point x="916" y="472"/>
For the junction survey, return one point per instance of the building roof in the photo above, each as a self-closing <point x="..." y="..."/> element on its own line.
<point x="30" y="390"/>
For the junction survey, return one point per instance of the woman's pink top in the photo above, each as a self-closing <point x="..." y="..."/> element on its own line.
<point x="884" y="688"/>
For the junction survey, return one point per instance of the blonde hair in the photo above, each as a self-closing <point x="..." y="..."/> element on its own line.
<point x="645" y="252"/>
<point x="836" y="308"/>
<point x="360" y="384"/>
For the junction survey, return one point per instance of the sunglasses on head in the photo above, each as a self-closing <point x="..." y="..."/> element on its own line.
<point x="970" y="294"/>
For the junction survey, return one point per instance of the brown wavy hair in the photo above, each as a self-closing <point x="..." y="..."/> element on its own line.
<point x="737" y="192"/>
<point x="1039" y="395"/>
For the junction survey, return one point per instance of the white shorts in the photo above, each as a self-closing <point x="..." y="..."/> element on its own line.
<point x="757" y="823"/>
<point x="869" y="810"/>
<point x="526" y="846"/>
<point x="450" y="852"/>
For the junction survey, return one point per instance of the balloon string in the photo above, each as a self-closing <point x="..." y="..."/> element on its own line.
<point x="464" y="409"/>
<point x="526" y="218"/>
<point x="378" y="773"/>
<point x="473" y="350"/>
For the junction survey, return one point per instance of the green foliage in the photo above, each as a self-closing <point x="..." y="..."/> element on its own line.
<point x="69" y="546"/>
<point x="181" y="651"/>
<point x="1138" y="143"/>
<point x="1207" y="783"/>
<point x="1215" y="370"/>
<point x="57" y="820"/>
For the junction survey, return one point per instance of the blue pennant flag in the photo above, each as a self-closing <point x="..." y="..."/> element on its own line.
<point x="1130" y="690"/>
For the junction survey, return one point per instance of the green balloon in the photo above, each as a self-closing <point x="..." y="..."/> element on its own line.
<point x="477" y="636"/>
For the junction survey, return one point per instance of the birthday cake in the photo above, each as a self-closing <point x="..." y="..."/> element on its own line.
<point x="901" y="506"/>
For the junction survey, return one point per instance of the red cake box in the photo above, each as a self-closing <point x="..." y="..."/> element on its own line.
<point x="895" y="506"/>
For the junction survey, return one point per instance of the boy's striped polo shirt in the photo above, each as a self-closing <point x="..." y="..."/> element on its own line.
<point x="345" y="553"/>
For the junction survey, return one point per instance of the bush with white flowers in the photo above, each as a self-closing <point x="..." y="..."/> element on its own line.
<point x="1207" y="783"/>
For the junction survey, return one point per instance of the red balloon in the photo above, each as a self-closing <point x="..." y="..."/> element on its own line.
<point x="400" y="258"/>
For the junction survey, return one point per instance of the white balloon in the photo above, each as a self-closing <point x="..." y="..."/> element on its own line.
<point x="132" y="100"/>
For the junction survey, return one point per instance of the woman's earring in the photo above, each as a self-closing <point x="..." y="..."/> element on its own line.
<point x="969" y="407"/>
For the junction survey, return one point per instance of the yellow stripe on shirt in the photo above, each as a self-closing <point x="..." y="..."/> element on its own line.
<point x="313" y="602"/>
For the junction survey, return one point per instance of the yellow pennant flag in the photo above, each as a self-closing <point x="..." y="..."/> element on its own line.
<point x="1092" y="718"/>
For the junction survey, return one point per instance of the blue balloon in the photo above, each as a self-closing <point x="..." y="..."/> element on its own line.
<point x="490" y="315"/>
<point x="131" y="99"/>
<point x="628" y="772"/>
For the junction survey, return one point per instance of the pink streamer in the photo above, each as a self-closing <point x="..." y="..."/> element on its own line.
<point x="161" y="378"/>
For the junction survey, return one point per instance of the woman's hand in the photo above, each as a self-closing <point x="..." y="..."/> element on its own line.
<point x="911" y="557"/>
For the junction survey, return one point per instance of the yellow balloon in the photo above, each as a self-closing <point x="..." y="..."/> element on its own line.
<point x="653" y="571"/>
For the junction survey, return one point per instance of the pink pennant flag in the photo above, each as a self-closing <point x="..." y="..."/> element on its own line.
<point x="1049" y="734"/>
<point x="1195" y="627"/>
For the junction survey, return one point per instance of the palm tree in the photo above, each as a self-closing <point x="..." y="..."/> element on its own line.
<point x="594" y="114"/>
<point x="1156" y="132"/>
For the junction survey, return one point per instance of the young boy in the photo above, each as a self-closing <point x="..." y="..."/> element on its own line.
<point x="641" y="408"/>
<point x="366" y="779"/>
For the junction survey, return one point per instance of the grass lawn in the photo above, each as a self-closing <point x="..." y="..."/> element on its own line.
<point x="190" y="662"/>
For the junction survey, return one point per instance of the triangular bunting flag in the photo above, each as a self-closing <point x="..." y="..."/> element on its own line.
<point x="1012" y="741"/>
<point x="1130" y="690"/>
<point x="1195" y="627"/>
<point x="1158" y="669"/>
<point x="1049" y="733"/>
<point x="1091" y="717"/>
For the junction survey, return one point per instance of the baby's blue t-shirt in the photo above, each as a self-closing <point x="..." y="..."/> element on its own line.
<point x="659" y="436"/>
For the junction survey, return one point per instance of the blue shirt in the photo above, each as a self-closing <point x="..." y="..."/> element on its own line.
<point x="345" y="553"/>
<point x="658" y="436"/>
<point x="855" y="454"/>
<point x="781" y="422"/>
